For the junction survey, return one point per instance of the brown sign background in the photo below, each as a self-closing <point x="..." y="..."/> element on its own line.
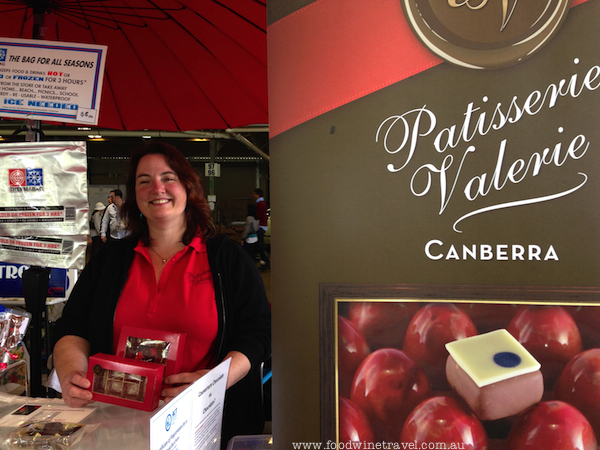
<point x="340" y="216"/>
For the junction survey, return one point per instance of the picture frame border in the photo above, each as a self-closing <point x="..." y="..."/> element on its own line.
<point x="332" y="294"/>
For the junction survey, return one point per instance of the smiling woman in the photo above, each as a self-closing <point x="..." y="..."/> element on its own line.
<point x="171" y="274"/>
<point x="160" y="196"/>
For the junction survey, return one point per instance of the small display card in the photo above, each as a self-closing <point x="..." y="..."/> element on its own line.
<point x="58" y="412"/>
<point x="192" y="420"/>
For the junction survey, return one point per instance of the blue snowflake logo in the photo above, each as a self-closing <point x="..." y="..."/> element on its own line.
<point x="35" y="177"/>
<point x="2" y="54"/>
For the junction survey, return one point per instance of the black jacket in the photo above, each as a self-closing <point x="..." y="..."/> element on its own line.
<point x="244" y="325"/>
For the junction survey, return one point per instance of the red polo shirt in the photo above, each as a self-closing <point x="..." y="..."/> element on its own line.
<point x="183" y="301"/>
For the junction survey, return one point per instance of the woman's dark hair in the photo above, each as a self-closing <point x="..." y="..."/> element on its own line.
<point x="251" y="210"/>
<point x="197" y="211"/>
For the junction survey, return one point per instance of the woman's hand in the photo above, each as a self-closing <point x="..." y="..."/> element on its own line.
<point x="75" y="391"/>
<point x="179" y="382"/>
<point x="70" y="358"/>
<point x="238" y="369"/>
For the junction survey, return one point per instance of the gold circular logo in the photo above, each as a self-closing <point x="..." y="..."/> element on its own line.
<point x="485" y="34"/>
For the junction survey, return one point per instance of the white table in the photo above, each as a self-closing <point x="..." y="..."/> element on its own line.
<point x="119" y="428"/>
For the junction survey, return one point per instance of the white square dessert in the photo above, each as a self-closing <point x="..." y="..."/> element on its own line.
<point x="494" y="374"/>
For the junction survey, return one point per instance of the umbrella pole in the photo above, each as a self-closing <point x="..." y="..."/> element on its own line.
<point x="35" y="279"/>
<point x="33" y="131"/>
<point x="35" y="288"/>
<point x="34" y="126"/>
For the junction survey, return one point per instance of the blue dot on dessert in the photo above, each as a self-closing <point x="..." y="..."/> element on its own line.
<point x="507" y="359"/>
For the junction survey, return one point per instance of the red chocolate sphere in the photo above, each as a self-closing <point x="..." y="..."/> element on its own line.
<point x="579" y="385"/>
<point x="429" y="331"/>
<point x="444" y="420"/>
<point x="354" y="424"/>
<point x="490" y="316"/>
<point x="387" y="387"/>
<point x="587" y="319"/>
<point x="383" y="324"/>
<point x="550" y="334"/>
<point x="552" y="425"/>
<point x="352" y="350"/>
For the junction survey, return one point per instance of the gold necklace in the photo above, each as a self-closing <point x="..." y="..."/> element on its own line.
<point x="164" y="260"/>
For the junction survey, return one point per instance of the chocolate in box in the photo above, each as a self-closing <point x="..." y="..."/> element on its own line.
<point x="156" y="346"/>
<point x="125" y="382"/>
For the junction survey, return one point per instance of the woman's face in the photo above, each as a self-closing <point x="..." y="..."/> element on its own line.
<point x="159" y="194"/>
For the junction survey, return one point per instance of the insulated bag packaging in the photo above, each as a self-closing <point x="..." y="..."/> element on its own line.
<point x="44" y="203"/>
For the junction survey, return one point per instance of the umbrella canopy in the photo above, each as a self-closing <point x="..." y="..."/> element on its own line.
<point x="171" y="65"/>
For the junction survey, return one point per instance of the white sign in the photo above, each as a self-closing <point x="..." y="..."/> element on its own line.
<point x="55" y="81"/>
<point x="212" y="170"/>
<point x="192" y="420"/>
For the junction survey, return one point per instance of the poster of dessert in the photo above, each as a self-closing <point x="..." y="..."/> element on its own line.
<point x="441" y="371"/>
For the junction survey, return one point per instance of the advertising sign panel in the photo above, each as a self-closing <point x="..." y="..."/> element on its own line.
<point x="448" y="145"/>
<point x="11" y="282"/>
<point x="54" y="81"/>
<point x="471" y="128"/>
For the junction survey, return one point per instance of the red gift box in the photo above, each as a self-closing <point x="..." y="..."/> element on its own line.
<point x="125" y="382"/>
<point x="163" y="347"/>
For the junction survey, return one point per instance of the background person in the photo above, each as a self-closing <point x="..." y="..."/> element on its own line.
<point x="108" y="203"/>
<point x="250" y="234"/>
<point x="113" y="226"/>
<point x="95" y="225"/>
<point x="172" y="274"/>
<point x="263" y="221"/>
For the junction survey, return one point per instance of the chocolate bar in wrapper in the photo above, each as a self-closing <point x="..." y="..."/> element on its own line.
<point x="45" y="435"/>
<point x="13" y="326"/>
<point x="149" y="350"/>
<point x="157" y="346"/>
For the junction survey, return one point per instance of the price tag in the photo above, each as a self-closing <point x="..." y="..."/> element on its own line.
<point x="86" y="115"/>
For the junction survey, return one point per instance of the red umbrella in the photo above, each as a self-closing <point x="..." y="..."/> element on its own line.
<point x="171" y="65"/>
